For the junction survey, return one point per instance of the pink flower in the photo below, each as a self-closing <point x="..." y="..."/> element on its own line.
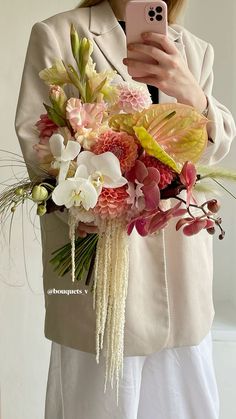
<point x="121" y="144"/>
<point x="188" y="177"/>
<point x="112" y="203"/>
<point x="147" y="180"/>
<point x="132" y="98"/>
<point x="150" y="222"/>
<point x="194" y="225"/>
<point x="166" y="173"/>
<point x="84" y="116"/>
<point x="43" y="152"/>
<point x="46" y="128"/>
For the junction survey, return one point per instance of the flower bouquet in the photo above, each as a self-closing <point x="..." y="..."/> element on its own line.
<point x="108" y="156"/>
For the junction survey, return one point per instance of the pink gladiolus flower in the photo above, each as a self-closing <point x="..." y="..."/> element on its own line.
<point x="194" y="225"/>
<point x="84" y="116"/>
<point x="188" y="177"/>
<point x="146" y="179"/>
<point x="46" y="128"/>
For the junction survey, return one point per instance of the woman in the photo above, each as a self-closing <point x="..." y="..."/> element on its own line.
<point x="168" y="369"/>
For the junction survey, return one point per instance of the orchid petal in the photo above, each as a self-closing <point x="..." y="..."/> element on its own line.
<point x="194" y="227"/>
<point x="71" y="151"/>
<point x="81" y="172"/>
<point x="108" y="164"/>
<point x="64" y="167"/>
<point x="85" y="157"/>
<point x="62" y="193"/>
<point x="152" y="196"/>
<point x="89" y="195"/>
<point x="57" y="146"/>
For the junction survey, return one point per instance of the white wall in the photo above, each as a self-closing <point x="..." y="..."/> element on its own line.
<point x="24" y="352"/>
<point x="214" y="21"/>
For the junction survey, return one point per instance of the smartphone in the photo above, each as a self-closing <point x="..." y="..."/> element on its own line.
<point x="144" y="16"/>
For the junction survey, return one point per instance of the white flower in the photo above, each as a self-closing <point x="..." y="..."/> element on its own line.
<point x="102" y="170"/>
<point x="75" y="191"/>
<point x="63" y="154"/>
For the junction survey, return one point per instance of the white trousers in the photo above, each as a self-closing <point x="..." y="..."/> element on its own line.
<point x="174" y="383"/>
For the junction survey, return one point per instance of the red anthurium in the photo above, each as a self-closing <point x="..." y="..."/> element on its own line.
<point x="188" y="177"/>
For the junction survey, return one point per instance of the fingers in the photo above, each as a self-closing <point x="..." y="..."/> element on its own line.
<point x="147" y="69"/>
<point x="150" y="50"/>
<point x="163" y="40"/>
<point x="83" y="229"/>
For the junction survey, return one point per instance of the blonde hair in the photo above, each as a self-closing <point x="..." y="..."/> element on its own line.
<point x="174" y="7"/>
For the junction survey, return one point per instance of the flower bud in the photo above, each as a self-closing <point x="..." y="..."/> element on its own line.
<point x="19" y="191"/>
<point x="86" y="49"/>
<point x="75" y="42"/>
<point x="39" y="193"/>
<point x="58" y="98"/>
<point x="41" y="209"/>
<point x="213" y="205"/>
<point x="211" y="230"/>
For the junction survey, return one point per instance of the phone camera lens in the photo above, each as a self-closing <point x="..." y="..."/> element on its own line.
<point x="158" y="17"/>
<point x="159" y="9"/>
<point x="151" y="13"/>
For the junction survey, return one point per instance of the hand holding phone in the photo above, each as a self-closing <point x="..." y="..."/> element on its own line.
<point x="144" y="16"/>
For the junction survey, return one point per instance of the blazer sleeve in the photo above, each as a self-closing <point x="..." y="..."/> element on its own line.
<point x="41" y="52"/>
<point x="221" y="128"/>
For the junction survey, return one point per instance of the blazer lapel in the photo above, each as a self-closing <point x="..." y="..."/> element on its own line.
<point x="111" y="40"/>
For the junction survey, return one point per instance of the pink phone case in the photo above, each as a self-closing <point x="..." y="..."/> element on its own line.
<point x="144" y="16"/>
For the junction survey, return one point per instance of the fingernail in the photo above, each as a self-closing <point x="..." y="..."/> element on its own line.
<point x="145" y="35"/>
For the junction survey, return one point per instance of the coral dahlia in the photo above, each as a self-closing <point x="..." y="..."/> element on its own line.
<point x="121" y="144"/>
<point x="112" y="202"/>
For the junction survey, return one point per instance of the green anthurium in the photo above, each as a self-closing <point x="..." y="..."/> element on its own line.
<point x="154" y="149"/>
<point x="179" y="129"/>
<point x="123" y="122"/>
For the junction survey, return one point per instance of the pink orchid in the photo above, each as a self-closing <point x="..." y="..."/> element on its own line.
<point x="143" y="188"/>
<point x="150" y="222"/>
<point x="194" y="225"/>
<point x="84" y="116"/>
<point x="188" y="177"/>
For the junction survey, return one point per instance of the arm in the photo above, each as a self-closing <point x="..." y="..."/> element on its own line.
<point x="41" y="52"/>
<point x="221" y="129"/>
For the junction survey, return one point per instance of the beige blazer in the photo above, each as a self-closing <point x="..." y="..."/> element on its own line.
<point x="169" y="300"/>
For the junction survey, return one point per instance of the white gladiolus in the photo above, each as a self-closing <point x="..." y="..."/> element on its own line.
<point x="63" y="154"/>
<point x="103" y="170"/>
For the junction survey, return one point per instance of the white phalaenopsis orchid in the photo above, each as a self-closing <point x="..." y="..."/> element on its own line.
<point x="63" y="154"/>
<point x="102" y="170"/>
<point x="92" y="174"/>
<point x="75" y="191"/>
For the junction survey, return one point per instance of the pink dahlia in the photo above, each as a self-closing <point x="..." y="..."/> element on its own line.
<point x="167" y="174"/>
<point x="133" y="97"/>
<point x="121" y="144"/>
<point x="112" y="203"/>
<point x="46" y="128"/>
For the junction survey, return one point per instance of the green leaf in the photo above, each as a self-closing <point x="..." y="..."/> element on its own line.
<point x="154" y="149"/>
<point x="54" y="117"/>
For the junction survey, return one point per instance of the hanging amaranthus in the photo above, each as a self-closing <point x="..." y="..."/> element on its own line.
<point x="109" y="298"/>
